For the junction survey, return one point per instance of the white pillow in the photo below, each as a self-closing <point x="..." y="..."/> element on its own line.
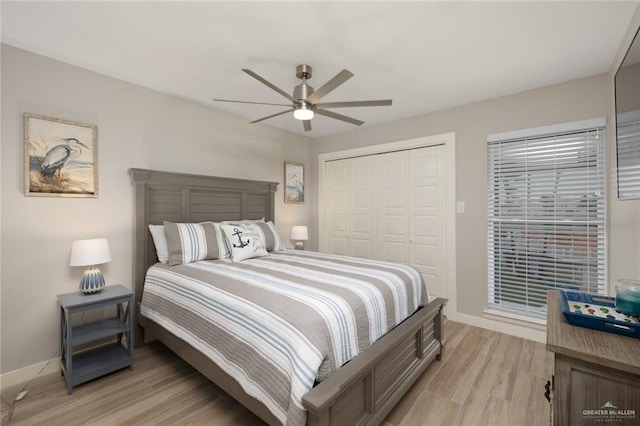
<point x="160" y="241"/>
<point x="245" y="241"/>
<point x="278" y="244"/>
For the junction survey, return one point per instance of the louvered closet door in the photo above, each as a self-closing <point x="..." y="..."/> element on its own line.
<point x="427" y="211"/>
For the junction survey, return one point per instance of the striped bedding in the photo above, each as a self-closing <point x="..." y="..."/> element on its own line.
<point x="279" y="323"/>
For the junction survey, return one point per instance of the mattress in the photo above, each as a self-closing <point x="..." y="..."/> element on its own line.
<point x="280" y="323"/>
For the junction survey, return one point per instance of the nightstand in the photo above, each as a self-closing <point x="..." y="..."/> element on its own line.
<point x="80" y="367"/>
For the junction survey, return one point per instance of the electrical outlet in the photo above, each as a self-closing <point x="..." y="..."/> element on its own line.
<point x="460" y="207"/>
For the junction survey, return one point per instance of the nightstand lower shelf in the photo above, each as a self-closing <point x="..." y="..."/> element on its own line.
<point x="97" y="362"/>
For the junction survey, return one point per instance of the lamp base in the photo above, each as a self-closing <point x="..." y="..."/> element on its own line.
<point x="92" y="281"/>
<point x="299" y="246"/>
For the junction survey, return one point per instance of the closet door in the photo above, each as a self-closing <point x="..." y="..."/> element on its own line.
<point x="391" y="207"/>
<point x="351" y="207"/>
<point x="338" y="205"/>
<point x="427" y="237"/>
<point x="393" y="216"/>
<point x="362" y="227"/>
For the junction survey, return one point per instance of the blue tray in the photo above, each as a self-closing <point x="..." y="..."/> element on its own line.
<point x="589" y="320"/>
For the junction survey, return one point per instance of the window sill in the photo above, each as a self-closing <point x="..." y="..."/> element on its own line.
<point x="522" y="320"/>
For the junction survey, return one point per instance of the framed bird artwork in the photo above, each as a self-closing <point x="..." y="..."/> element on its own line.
<point x="293" y="183"/>
<point x="60" y="157"/>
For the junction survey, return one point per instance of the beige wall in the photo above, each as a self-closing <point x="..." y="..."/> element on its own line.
<point x="136" y="128"/>
<point x="575" y="100"/>
<point x="624" y="216"/>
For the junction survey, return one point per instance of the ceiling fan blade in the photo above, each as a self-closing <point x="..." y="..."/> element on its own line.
<point x="336" y="81"/>
<point x="307" y="125"/>
<point x="349" y="104"/>
<point x="248" y="102"/>
<point x="270" y="85"/>
<point x="271" y="116"/>
<point x="339" y="116"/>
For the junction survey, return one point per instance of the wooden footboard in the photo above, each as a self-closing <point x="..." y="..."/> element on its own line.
<point x="366" y="389"/>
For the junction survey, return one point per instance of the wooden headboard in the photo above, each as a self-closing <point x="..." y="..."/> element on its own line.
<point x="181" y="197"/>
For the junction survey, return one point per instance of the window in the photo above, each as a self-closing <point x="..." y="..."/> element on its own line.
<point x="546" y="215"/>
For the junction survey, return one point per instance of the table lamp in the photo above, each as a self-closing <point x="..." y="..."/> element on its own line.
<point x="299" y="234"/>
<point x="90" y="253"/>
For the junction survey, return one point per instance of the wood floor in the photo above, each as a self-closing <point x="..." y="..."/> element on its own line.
<point x="484" y="378"/>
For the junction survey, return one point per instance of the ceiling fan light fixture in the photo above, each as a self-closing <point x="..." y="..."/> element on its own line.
<point x="303" y="112"/>
<point x="305" y="102"/>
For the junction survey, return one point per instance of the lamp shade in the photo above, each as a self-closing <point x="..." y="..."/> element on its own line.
<point x="299" y="233"/>
<point x="90" y="252"/>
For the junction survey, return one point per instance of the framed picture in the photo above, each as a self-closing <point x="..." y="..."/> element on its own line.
<point x="293" y="183"/>
<point x="60" y="158"/>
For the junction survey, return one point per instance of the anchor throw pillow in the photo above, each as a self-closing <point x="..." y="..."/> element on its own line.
<point x="272" y="241"/>
<point x="245" y="241"/>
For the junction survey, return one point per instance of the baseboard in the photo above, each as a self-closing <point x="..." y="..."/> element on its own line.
<point x="28" y="373"/>
<point x="511" y="328"/>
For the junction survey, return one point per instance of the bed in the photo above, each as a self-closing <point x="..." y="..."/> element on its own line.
<point x="362" y="391"/>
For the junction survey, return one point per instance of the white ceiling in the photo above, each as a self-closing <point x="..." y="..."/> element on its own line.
<point x="426" y="56"/>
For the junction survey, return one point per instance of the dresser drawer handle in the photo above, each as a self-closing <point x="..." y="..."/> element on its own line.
<point x="547" y="389"/>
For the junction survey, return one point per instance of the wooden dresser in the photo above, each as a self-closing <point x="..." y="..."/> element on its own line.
<point x="596" y="374"/>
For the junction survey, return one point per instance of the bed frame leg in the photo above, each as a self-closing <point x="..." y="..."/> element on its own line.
<point x="439" y="332"/>
<point x="138" y="330"/>
<point x="138" y="336"/>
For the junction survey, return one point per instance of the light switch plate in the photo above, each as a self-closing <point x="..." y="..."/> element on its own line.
<point x="460" y="207"/>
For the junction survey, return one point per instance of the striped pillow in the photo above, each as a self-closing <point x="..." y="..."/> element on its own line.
<point x="191" y="242"/>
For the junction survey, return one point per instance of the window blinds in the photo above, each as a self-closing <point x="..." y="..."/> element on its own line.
<point x="546" y="218"/>
<point x="628" y="148"/>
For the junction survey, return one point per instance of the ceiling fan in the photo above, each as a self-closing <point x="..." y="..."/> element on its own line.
<point x="305" y="100"/>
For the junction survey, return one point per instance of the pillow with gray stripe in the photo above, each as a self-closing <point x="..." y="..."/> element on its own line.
<point x="191" y="242"/>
